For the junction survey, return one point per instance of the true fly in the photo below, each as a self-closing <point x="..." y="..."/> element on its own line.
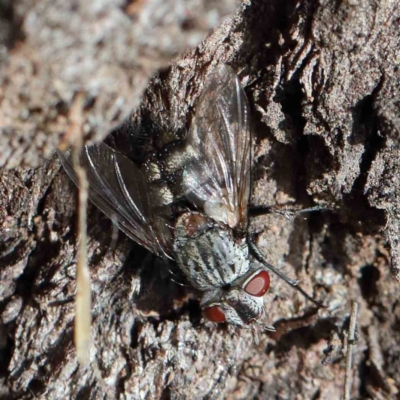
<point x="189" y="203"/>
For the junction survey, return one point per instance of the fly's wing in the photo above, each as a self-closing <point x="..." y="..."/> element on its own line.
<point x="219" y="179"/>
<point x="119" y="189"/>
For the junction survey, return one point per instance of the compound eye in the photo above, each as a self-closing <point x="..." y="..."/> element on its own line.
<point x="258" y="285"/>
<point x="214" y="314"/>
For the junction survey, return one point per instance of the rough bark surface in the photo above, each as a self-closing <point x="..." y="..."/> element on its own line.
<point x="323" y="81"/>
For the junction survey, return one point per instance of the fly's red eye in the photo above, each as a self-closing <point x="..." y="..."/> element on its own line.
<point x="258" y="285"/>
<point x="214" y="314"/>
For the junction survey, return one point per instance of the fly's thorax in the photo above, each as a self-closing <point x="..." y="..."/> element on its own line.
<point x="207" y="252"/>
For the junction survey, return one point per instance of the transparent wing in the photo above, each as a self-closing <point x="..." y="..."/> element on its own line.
<point x="119" y="189"/>
<point x="219" y="179"/>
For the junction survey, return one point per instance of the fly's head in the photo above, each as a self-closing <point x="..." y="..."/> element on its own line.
<point x="217" y="264"/>
<point x="240" y="303"/>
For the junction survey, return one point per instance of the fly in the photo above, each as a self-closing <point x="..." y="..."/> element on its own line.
<point x="191" y="205"/>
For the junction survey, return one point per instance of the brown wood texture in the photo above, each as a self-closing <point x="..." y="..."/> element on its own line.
<point x="323" y="82"/>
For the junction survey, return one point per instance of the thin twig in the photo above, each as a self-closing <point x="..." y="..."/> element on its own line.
<point x="348" y="381"/>
<point x="83" y="292"/>
<point x="82" y="334"/>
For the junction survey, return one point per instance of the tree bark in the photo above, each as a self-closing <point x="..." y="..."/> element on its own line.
<point x="323" y="82"/>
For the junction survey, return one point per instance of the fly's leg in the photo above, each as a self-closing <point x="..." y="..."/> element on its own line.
<point x="176" y="278"/>
<point x="286" y="212"/>
<point x="176" y="281"/>
<point x="295" y="284"/>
